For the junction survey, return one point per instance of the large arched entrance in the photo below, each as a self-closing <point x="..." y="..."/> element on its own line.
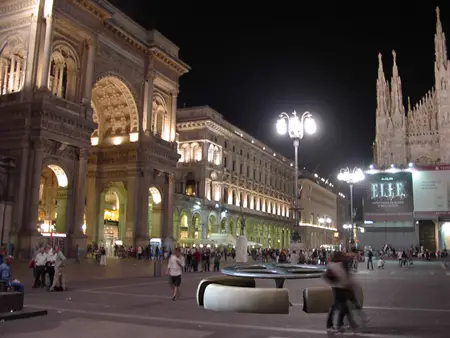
<point x="52" y="200"/>
<point x="211" y="226"/>
<point x="184" y="226"/>
<point x="154" y="213"/>
<point x="196" y="231"/>
<point x="115" y="111"/>
<point x="113" y="213"/>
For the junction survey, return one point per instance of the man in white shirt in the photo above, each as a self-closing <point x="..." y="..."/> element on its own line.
<point x="58" y="279"/>
<point x="174" y="270"/>
<point x="40" y="260"/>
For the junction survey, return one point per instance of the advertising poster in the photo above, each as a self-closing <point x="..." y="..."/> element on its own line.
<point x="431" y="191"/>
<point x="388" y="197"/>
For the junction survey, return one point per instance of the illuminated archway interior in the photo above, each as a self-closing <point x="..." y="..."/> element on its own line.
<point x="61" y="176"/>
<point x="52" y="200"/>
<point x="154" y="212"/>
<point x="111" y="220"/>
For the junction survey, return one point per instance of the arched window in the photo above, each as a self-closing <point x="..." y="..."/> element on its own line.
<point x="12" y="65"/>
<point x="159" y="117"/>
<point x="216" y="156"/>
<point x="187" y="153"/>
<point x="63" y="72"/>
<point x="210" y="153"/>
<point x="197" y="152"/>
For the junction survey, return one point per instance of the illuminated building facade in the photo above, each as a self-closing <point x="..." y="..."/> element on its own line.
<point x="88" y="101"/>
<point x="225" y="174"/>
<point x="418" y="134"/>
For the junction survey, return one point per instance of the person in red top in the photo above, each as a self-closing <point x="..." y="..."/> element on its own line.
<point x="195" y="260"/>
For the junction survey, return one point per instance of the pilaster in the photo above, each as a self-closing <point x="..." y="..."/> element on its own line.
<point x="167" y="227"/>
<point x="47" y="51"/>
<point x="91" y="47"/>
<point x="173" y="117"/>
<point x="80" y="194"/>
<point x="142" y="233"/>
<point x="148" y="101"/>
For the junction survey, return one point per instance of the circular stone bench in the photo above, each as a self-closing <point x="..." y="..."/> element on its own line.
<point x="225" y="298"/>
<point x="222" y="280"/>
<point x="320" y="299"/>
<point x="11" y="301"/>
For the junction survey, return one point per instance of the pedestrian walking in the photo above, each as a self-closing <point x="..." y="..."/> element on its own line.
<point x="370" y="259"/>
<point x="217" y="257"/>
<point x="338" y="276"/>
<point x="174" y="271"/>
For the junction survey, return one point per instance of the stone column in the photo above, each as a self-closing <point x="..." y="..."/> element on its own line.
<point x="148" y="103"/>
<point x="87" y="92"/>
<point x="47" y="52"/>
<point x="55" y="82"/>
<point x="142" y="231"/>
<point x="12" y="75"/>
<point x="60" y="81"/>
<point x="167" y="228"/>
<point x="173" y="117"/>
<point x="5" y="78"/>
<point x="61" y="210"/>
<point x="132" y="219"/>
<point x="30" y="64"/>
<point x="17" y="74"/>
<point x="92" y="208"/>
<point x="29" y="234"/>
<point x="2" y="74"/>
<point x="80" y="194"/>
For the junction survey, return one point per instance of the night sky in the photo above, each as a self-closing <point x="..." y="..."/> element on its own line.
<point x="252" y="60"/>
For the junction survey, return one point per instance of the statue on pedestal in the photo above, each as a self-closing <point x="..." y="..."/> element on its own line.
<point x="241" y="243"/>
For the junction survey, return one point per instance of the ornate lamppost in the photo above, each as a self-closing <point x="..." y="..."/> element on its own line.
<point x="296" y="127"/>
<point x="351" y="176"/>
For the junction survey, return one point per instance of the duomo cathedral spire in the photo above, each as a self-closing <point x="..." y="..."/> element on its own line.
<point x="422" y="133"/>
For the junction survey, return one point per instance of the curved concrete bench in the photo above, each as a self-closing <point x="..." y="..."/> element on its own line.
<point x="222" y="280"/>
<point x="246" y="300"/>
<point x="320" y="299"/>
<point x="11" y="301"/>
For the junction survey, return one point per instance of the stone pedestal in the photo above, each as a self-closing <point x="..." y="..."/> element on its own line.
<point x="72" y="241"/>
<point x="27" y="243"/>
<point x="241" y="249"/>
<point x="142" y="241"/>
<point x="168" y="244"/>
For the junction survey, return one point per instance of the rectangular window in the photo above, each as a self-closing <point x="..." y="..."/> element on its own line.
<point x="241" y="169"/>
<point x="234" y="166"/>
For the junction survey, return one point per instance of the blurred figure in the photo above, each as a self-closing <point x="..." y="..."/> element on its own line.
<point x="338" y="276"/>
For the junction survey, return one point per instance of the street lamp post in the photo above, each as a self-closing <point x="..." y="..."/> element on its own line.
<point x="296" y="126"/>
<point x="351" y="176"/>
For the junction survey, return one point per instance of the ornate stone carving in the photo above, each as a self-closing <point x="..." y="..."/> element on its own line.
<point x="17" y="5"/>
<point x="115" y="109"/>
<point x="15" y="23"/>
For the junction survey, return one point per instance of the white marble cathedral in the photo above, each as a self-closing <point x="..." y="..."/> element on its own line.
<point x="88" y="115"/>
<point x="418" y="134"/>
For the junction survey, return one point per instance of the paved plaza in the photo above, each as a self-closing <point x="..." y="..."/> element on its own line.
<point x="409" y="303"/>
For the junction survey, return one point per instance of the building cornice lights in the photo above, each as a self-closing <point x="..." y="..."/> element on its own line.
<point x="318" y="226"/>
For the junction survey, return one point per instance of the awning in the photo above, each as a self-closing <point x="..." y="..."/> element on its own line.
<point x="222" y="239"/>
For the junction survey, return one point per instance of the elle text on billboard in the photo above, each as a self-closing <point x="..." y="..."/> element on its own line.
<point x="389" y="197"/>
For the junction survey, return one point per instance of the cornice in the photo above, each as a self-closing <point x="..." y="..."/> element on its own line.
<point x="15" y="5"/>
<point x="216" y="127"/>
<point x="90" y="7"/>
<point x="177" y="65"/>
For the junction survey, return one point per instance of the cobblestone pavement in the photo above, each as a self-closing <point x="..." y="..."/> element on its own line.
<point x="411" y="303"/>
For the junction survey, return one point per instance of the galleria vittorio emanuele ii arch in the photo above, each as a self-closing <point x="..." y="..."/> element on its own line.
<point x="88" y="107"/>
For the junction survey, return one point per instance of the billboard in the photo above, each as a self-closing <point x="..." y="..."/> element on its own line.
<point x="431" y="191"/>
<point x="389" y="197"/>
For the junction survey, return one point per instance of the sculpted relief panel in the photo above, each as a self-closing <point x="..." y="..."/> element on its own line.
<point x="115" y="110"/>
